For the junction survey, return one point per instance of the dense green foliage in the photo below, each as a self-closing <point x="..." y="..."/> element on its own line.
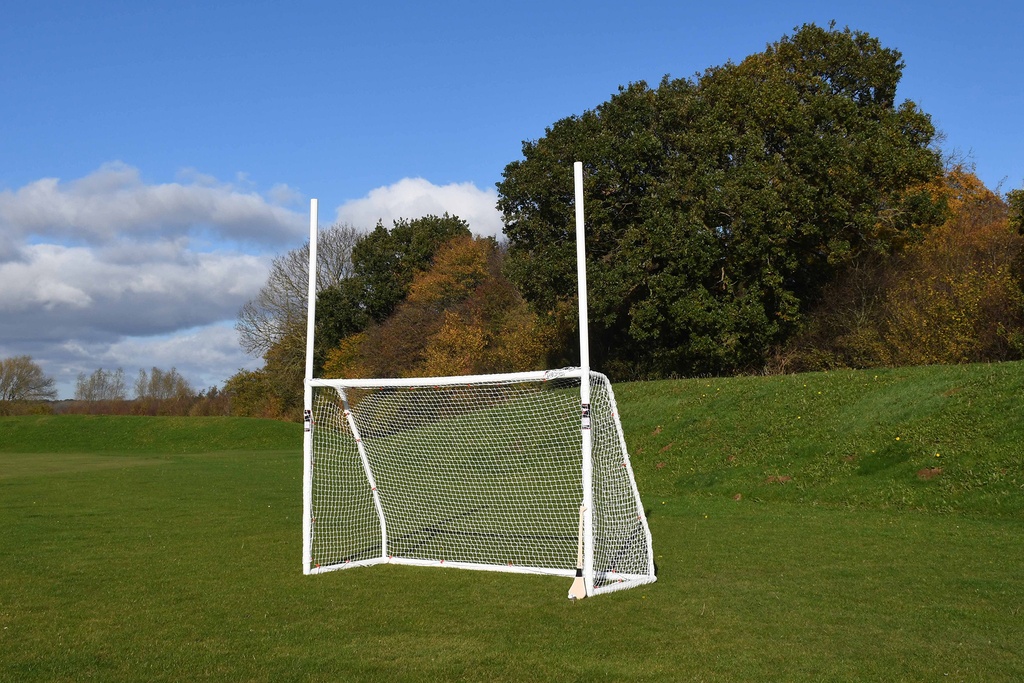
<point x="384" y="263"/>
<point x="718" y="207"/>
<point x="460" y="316"/>
<point x="954" y="296"/>
<point x="1015" y="199"/>
<point x="135" y="564"/>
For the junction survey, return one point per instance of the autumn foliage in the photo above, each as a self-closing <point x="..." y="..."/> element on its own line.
<point x="954" y="296"/>
<point x="461" y="316"/>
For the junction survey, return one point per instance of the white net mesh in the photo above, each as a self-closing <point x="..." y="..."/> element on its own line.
<point x="485" y="474"/>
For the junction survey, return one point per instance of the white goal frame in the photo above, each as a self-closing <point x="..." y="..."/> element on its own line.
<point x="596" y="579"/>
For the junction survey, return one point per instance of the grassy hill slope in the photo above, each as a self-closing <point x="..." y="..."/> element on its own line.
<point x="942" y="438"/>
<point x="930" y="438"/>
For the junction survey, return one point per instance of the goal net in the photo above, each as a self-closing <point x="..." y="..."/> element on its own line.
<point x="484" y="472"/>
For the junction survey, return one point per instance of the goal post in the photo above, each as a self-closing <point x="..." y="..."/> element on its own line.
<point x="586" y="435"/>
<point x="518" y="472"/>
<point x="307" y="398"/>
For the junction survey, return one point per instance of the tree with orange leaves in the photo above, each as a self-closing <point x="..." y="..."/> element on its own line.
<point x="461" y="316"/>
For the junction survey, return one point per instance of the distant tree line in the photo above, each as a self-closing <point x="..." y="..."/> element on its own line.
<point x="24" y="389"/>
<point x="155" y="392"/>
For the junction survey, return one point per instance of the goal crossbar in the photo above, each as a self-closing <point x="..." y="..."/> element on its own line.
<point x="454" y="380"/>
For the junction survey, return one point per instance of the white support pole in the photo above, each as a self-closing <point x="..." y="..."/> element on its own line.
<point x="311" y="294"/>
<point x="588" y="466"/>
<point x="307" y="434"/>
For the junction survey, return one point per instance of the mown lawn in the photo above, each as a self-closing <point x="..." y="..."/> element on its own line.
<point x="137" y="562"/>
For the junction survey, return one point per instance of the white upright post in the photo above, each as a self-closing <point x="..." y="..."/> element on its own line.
<point x="588" y="465"/>
<point x="311" y="292"/>
<point x="307" y="414"/>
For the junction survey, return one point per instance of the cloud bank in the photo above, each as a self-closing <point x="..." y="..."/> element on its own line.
<point x="110" y="271"/>
<point x="114" y="204"/>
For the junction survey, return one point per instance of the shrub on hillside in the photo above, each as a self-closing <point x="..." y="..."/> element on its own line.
<point x="12" y="408"/>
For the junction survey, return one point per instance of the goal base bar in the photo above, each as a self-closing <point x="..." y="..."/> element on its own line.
<point x="610" y="582"/>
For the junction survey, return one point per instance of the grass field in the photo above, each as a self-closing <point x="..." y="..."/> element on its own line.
<point x="801" y="531"/>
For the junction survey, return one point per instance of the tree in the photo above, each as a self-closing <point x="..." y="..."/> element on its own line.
<point x="21" y="379"/>
<point x="162" y="385"/>
<point x="384" y="263"/>
<point x="954" y="296"/>
<point x="719" y="207"/>
<point x="273" y="325"/>
<point x="1015" y="201"/>
<point x="361" y="278"/>
<point x="281" y="304"/>
<point x="461" y="316"/>
<point x="251" y="395"/>
<point x="101" y="385"/>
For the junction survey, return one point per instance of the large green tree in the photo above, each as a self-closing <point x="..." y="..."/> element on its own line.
<point x="719" y="206"/>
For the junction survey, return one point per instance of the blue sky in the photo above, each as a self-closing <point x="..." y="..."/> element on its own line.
<point x="155" y="155"/>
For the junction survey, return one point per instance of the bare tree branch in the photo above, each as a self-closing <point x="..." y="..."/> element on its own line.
<point x="280" y="305"/>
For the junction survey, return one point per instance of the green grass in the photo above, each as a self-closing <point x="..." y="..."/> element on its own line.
<point x="852" y="438"/>
<point x="188" y="568"/>
<point x="132" y="434"/>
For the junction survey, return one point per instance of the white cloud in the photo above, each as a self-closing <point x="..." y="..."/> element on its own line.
<point x="205" y="356"/>
<point x="60" y="292"/>
<point x="113" y="202"/>
<point x="416" y="197"/>
<point x="284" y="195"/>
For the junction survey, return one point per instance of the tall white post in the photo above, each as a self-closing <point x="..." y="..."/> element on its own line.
<point x="307" y="415"/>
<point x="311" y="297"/>
<point x="588" y="465"/>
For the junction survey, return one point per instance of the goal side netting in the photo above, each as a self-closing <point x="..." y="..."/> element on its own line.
<point x="481" y="472"/>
